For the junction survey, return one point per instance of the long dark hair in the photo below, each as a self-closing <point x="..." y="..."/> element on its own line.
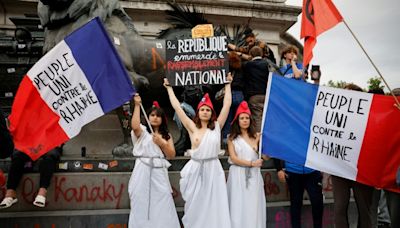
<point x="163" y="129"/>
<point x="235" y="129"/>
<point x="211" y="122"/>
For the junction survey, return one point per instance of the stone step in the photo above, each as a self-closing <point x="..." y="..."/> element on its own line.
<point x="90" y="198"/>
<point x="277" y="216"/>
<point x="109" y="190"/>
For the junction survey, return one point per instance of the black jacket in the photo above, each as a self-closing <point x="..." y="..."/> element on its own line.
<point x="256" y="77"/>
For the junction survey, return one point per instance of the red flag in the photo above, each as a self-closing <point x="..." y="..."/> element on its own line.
<point x="318" y="16"/>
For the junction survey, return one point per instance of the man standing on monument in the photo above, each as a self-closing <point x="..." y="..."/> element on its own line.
<point x="251" y="41"/>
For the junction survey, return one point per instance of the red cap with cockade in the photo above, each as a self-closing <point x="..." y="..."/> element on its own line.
<point x="243" y="108"/>
<point x="206" y="101"/>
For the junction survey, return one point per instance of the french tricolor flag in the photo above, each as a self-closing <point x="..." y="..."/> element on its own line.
<point x="346" y="133"/>
<point x="79" y="80"/>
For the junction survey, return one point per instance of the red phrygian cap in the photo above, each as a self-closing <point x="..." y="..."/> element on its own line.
<point x="155" y="104"/>
<point x="243" y="108"/>
<point x="206" y="101"/>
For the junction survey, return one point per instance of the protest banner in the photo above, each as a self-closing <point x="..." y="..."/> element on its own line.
<point x="345" y="133"/>
<point x="201" y="61"/>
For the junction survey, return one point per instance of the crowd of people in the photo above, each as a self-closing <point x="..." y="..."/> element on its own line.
<point x="210" y="200"/>
<point x="240" y="202"/>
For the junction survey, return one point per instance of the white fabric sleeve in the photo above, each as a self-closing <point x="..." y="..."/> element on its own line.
<point x="136" y="139"/>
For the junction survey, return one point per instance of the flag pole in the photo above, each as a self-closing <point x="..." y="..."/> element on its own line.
<point x="373" y="64"/>
<point x="147" y="119"/>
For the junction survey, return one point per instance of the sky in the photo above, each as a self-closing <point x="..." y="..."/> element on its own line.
<point x="341" y="58"/>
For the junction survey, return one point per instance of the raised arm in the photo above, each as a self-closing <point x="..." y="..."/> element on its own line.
<point x="296" y="71"/>
<point x="232" y="47"/>
<point x="223" y="115"/>
<point x="135" y="121"/>
<point x="186" y="121"/>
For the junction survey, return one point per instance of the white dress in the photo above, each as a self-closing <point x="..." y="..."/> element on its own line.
<point x="246" y="190"/>
<point x="152" y="205"/>
<point x="203" y="185"/>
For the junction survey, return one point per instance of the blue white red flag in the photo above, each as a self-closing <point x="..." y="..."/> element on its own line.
<point x="79" y="80"/>
<point x="346" y="133"/>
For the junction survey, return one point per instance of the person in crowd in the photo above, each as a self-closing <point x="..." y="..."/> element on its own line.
<point x="393" y="201"/>
<point x="393" y="198"/>
<point x="149" y="188"/>
<point x="202" y="182"/>
<point x="245" y="184"/>
<point x="256" y="80"/>
<point x="6" y="144"/>
<point x="379" y="205"/>
<point x="235" y="66"/>
<point x="298" y="179"/>
<point x="363" y="196"/>
<point x="251" y="42"/>
<point x="290" y="69"/>
<point x="47" y="166"/>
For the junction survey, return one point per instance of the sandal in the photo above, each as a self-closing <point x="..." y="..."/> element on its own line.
<point x="8" y="202"/>
<point x="40" y="201"/>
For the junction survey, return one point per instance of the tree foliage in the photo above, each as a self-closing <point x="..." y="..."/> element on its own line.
<point x="337" y="84"/>
<point x="375" y="84"/>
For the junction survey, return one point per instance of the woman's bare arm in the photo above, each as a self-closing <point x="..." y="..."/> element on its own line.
<point x="186" y="121"/>
<point x="135" y="121"/>
<point x="234" y="158"/>
<point x="167" y="146"/>
<point x="223" y="115"/>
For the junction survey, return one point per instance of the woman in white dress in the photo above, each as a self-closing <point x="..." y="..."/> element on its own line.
<point x="202" y="183"/>
<point x="152" y="205"/>
<point x="245" y="184"/>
